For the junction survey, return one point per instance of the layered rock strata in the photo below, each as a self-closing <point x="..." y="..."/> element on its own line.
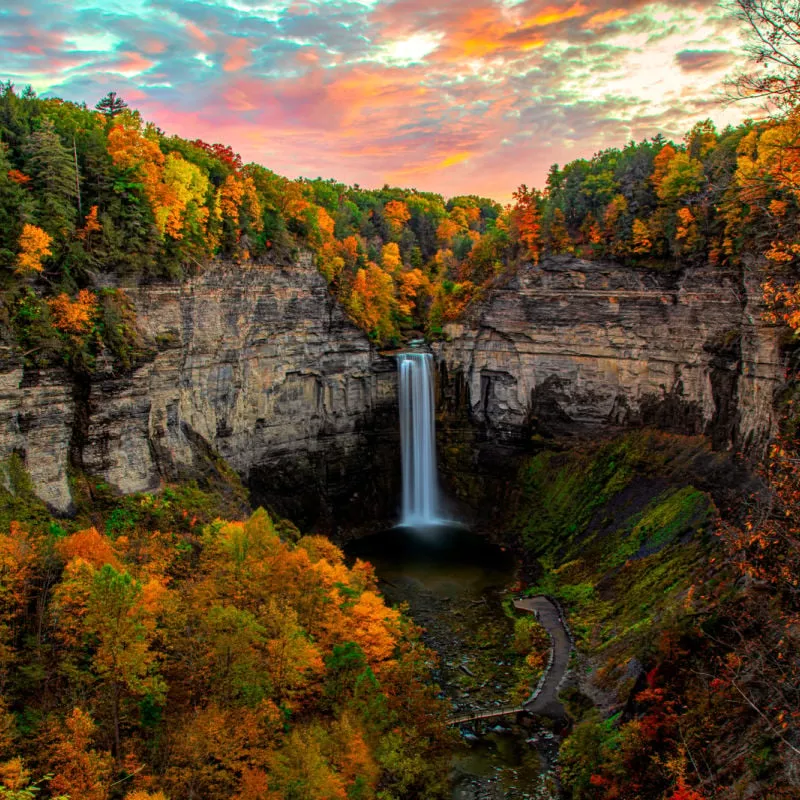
<point x="573" y="346"/>
<point x="258" y="364"/>
<point x="255" y="363"/>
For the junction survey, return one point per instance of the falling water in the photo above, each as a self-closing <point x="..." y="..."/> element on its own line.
<point x="418" y="443"/>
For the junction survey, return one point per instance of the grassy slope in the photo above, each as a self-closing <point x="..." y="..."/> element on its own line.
<point x="621" y="534"/>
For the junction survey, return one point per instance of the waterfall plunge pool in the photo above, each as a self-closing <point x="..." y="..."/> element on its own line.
<point x="454" y="582"/>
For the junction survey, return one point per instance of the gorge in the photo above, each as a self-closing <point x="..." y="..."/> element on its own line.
<point x="222" y="389"/>
<point x="260" y="366"/>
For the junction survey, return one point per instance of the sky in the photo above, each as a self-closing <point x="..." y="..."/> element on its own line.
<point x="453" y="96"/>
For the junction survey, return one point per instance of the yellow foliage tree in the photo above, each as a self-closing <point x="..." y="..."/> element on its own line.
<point x="34" y="245"/>
<point x="390" y="257"/>
<point x="141" y="155"/>
<point x="90" y="224"/>
<point x="397" y="215"/>
<point x="188" y="188"/>
<point x="372" y="299"/>
<point x="410" y="284"/>
<point x="642" y="243"/>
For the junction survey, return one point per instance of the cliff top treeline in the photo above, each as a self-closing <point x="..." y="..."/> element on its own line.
<point x="92" y="200"/>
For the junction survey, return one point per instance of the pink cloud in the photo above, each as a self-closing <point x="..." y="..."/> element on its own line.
<point x="237" y="55"/>
<point x="132" y="62"/>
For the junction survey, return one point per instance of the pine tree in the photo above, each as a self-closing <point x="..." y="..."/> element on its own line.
<point x="111" y="105"/>
<point x="15" y="209"/>
<point x="52" y="170"/>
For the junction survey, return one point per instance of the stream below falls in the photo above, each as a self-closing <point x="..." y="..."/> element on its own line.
<point x="454" y="583"/>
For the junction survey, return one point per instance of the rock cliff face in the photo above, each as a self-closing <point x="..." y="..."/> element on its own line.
<point x="573" y="346"/>
<point x="258" y="364"/>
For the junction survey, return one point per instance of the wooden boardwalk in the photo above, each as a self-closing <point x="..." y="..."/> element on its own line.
<point x="544" y="698"/>
<point x="476" y="715"/>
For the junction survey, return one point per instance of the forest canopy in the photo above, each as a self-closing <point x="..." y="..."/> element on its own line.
<point x="94" y="200"/>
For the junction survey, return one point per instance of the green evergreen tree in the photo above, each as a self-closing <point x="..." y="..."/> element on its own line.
<point x="51" y="167"/>
<point x="111" y="105"/>
<point x="15" y="209"/>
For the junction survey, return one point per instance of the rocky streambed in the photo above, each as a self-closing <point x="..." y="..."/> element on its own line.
<point x="457" y="586"/>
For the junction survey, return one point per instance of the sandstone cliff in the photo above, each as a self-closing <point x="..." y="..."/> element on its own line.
<point x="573" y="346"/>
<point x="256" y="363"/>
<point x="260" y="365"/>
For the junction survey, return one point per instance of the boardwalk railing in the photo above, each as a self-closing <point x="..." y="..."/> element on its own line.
<point x="476" y="715"/>
<point x="551" y="617"/>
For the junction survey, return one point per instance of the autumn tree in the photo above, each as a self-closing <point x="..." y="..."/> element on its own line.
<point x="397" y="215"/>
<point x="74" y="317"/>
<point x="390" y="257"/>
<point x="683" y="177"/>
<point x="18" y="553"/>
<point x="760" y="668"/>
<point x="558" y="240"/>
<point x="773" y="28"/>
<point x="526" y="217"/>
<point x="34" y="246"/>
<point x="372" y="300"/>
<point x="661" y="165"/>
<point x="116" y="611"/>
<point x="80" y="770"/>
<point x="642" y="243"/>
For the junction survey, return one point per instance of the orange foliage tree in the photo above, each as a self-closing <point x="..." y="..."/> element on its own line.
<point x="372" y="300"/>
<point x="34" y="245"/>
<point x="527" y="221"/>
<point x="397" y="215"/>
<point x="74" y="317"/>
<point x="80" y="770"/>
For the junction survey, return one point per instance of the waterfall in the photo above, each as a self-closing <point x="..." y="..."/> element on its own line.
<point x="418" y="440"/>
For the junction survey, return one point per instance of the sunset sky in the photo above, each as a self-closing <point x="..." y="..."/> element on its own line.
<point x="455" y="96"/>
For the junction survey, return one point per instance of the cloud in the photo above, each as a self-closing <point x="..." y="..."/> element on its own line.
<point x="697" y="60"/>
<point x="453" y="95"/>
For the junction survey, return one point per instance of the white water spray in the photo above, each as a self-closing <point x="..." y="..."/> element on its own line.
<point x="418" y="440"/>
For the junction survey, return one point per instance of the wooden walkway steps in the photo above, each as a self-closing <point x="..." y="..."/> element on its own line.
<point x="473" y="717"/>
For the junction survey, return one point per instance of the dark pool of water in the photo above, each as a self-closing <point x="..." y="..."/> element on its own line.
<point x="454" y="582"/>
<point x="446" y="558"/>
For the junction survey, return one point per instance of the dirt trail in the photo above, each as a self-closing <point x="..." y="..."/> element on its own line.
<point x="546" y="702"/>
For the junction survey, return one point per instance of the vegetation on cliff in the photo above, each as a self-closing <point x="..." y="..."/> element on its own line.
<point x="164" y="652"/>
<point x="687" y="626"/>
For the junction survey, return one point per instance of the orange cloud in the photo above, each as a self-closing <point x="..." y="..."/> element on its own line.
<point x="553" y="14"/>
<point x="604" y="17"/>
<point x="363" y="91"/>
<point x="456" y="158"/>
<point x="491" y="30"/>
